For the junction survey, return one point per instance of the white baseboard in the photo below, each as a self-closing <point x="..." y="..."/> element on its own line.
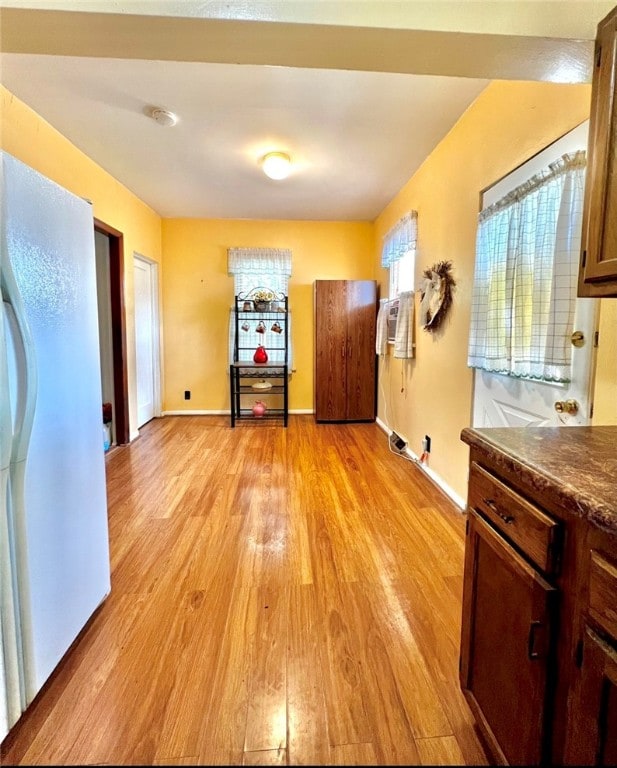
<point x="295" y="411"/>
<point x="195" y="412"/>
<point x="430" y="473"/>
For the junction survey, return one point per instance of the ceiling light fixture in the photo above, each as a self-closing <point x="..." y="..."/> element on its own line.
<point x="276" y="165"/>
<point x="163" y="116"/>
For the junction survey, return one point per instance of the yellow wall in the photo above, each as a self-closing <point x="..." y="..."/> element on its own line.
<point x="197" y="294"/>
<point x="506" y="125"/>
<point x="26" y="136"/>
<point x="605" y="397"/>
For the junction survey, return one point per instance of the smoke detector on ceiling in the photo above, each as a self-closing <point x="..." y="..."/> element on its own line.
<point x="163" y="116"/>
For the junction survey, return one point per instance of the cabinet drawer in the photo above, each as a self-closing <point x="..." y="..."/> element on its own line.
<point x="533" y="531"/>
<point x="603" y="593"/>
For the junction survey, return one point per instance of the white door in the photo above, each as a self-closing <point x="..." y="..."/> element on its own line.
<point x="146" y="339"/>
<point x="504" y="401"/>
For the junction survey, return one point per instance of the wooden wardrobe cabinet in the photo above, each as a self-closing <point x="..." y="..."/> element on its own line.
<point x="345" y="359"/>
<point x="598" y="270"/>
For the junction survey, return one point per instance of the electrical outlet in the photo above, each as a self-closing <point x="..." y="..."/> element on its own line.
<point x="187" y="394"/>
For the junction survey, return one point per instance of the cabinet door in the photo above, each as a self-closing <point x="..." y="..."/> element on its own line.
<point x="592" y="719"/>
<point x="361" y="323"/>
<point x="506" y="645"/>
<point x="599" y="259"/>
<point x="330" y="350"/>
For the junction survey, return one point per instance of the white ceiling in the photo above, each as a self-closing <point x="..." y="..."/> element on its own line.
<point x="355" y="135"/>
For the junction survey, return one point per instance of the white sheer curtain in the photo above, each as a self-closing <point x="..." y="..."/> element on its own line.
<point x="527" y="253"/>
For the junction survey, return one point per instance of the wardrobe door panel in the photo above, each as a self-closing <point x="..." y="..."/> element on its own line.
<point x="331" y="350"/>
<point x="345" y="320"/>
<point x="361" y="320"/>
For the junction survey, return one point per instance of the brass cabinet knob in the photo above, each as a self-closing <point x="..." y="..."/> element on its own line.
<point x="566" y="406"/>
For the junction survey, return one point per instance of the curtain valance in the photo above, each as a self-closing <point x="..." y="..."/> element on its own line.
<point x="273" y="261"/>
<point x="400" y="239"/>
<point x="569" y="162"/>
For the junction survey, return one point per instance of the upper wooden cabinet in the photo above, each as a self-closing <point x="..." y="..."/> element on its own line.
<point x="598" y="272"/>
<point x="345" y="321"/>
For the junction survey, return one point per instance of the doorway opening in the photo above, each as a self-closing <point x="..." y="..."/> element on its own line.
<point x="110" y="285"/>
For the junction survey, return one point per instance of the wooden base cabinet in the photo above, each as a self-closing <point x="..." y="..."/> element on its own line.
<point x="593" y="736"/>
<point x="345" y="359"/>
<point x="506" y="645"/>
<point x="538" y="661"/>
<point x="592" y="724"/>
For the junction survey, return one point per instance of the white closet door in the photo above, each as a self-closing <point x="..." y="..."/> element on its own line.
<point x="145" y="335"/>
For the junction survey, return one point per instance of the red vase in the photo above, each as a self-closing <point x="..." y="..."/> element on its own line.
<point x="260" y="356"/>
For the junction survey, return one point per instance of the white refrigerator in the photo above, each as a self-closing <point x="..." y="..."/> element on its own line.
<point x="54" y="544"/>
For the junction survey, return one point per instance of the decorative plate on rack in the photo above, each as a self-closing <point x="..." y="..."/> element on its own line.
<point x="261" y="385"/>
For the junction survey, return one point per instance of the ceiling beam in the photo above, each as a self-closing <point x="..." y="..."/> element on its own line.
<point x="574" y="19"/>
<point x="321" y="46"/>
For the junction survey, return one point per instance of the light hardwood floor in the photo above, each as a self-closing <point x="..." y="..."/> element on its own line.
<point x="279" y="596"/>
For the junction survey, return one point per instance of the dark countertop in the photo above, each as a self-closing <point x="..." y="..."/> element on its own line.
<point x="576" y="464"/>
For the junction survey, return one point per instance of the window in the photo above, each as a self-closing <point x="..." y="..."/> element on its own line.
<point x="255" y="267"/>
<point x="260" y="267"/>
<point x="402" y="274"/>
<point x="398" y="254"/>
<point x="394" y="321"/>
<point x="524" y="292"/>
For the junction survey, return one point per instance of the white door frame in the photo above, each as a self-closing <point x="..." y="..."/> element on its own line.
<point x="153" y="270"/>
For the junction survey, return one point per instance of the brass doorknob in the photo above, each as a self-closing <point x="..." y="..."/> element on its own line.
<point x="566" y="406"/>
